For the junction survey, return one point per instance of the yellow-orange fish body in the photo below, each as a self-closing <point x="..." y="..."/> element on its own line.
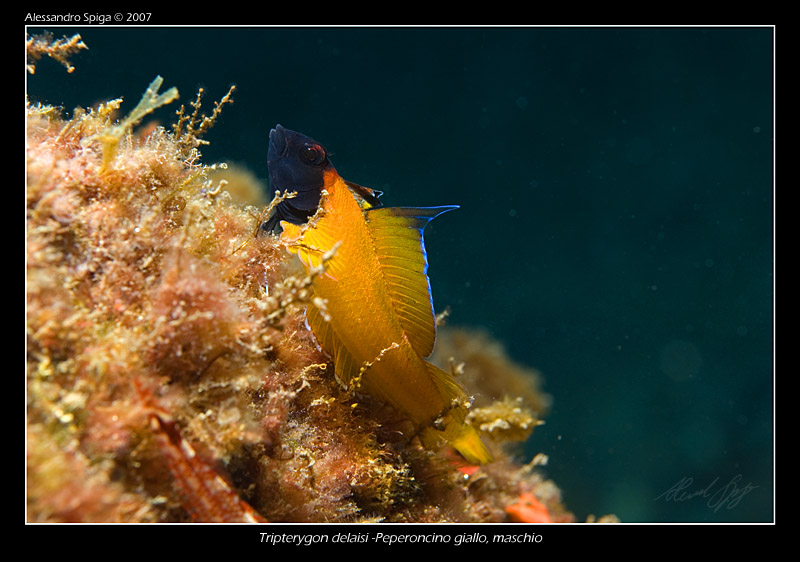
<point x="378" y="321"/>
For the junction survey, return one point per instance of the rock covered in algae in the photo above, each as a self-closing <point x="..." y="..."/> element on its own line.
<point x="170" y="373"/>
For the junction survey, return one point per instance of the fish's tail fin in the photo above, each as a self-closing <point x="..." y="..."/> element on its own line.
<point x="468" y="443"/>
<point x="462" y="437"/>
<point x="452" y="427"/>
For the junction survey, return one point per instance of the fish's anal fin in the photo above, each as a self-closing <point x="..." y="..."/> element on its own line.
<point x="397" y="233"/>
<point x="347" y="369"/>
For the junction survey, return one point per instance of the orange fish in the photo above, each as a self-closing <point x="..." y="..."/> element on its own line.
<point x="378" y="322"/>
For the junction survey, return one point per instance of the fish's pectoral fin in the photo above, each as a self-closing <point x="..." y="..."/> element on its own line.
<point x="290" y="232"/>
<point x="292" y="237"/>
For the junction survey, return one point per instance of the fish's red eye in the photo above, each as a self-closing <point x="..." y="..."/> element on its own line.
<point x="313" y="154"/>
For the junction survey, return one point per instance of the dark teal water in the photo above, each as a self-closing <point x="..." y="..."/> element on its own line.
<point x="616" y="221"/>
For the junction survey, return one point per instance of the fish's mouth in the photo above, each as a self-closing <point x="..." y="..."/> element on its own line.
<point x="277" y="142"/>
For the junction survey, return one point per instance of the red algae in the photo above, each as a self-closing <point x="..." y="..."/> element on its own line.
<point x="528" y="510"/>
<point x="171" y="376"/>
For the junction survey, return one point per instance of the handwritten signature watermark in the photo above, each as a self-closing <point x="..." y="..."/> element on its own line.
<point x="718" y="496"/>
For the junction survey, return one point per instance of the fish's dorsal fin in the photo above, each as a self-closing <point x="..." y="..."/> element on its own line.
<point x="366" y="196"/>
<point x="400" y="247"/>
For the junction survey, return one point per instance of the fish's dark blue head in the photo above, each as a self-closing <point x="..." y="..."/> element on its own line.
<point x="296" y="163"/>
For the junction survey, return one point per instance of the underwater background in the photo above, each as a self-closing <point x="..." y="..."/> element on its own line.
<point x="616" y="224"/>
